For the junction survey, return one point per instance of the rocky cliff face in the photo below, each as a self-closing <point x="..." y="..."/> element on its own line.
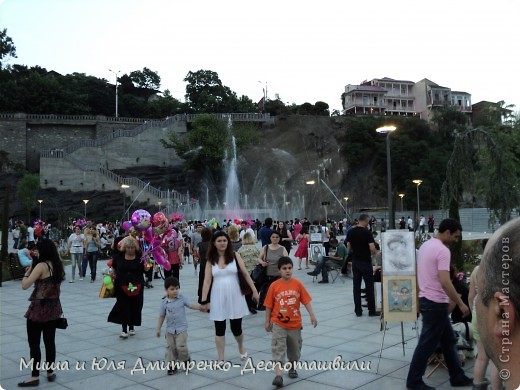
<point x="272" y="174"/>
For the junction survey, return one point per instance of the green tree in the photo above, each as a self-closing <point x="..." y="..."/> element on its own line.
<point x="205" y="146"/>
<point x="7" y="48"/>
<point x="205" y="93"/>
<point x="165" y="105"/>
<point x="4" y="227"/>
<point x="321" y="108"/>
<point x="26" y="191"/>
<point x="146" y="78"/>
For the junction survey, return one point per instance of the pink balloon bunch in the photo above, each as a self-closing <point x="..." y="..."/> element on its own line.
<point x="155" y="233"/>
<point x="176" y="217"/>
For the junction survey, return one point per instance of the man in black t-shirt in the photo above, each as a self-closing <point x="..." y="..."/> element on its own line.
<point x="361" y="243"/>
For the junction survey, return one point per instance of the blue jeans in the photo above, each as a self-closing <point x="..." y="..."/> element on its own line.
<point x="362" y="270"/>
<point x="436" y="332"/>
<point x="92" y="258"/>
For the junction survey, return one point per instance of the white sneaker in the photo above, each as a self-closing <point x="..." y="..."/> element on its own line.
<point x="123" y="335"/>
<point x="80" y="278"/>
<point x="71" y="281"/>
<point x="131" y="332"/>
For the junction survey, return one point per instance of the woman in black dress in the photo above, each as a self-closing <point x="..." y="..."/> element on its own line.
<point x="129" y="283"/>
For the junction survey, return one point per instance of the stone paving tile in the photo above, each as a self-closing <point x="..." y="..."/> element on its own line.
<point x="89" y="336"/>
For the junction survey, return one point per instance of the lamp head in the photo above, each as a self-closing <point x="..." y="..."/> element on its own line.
<point x="386" y="129"/>
<point x="417" y="181"/>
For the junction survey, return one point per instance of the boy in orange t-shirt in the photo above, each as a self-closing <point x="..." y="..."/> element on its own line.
<point x="283" y="318"/>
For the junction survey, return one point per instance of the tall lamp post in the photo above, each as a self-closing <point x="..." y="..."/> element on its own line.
<point x="40" y="201"/>
<point x="265" y="96"/>
<point x="124" y="187"/>
<point x="346" y="206"/>
<point x="387" y="130"/>
<point x="418" y="183"/>
<point x="401" y="196"/>
<point x="117" y="102"/>
<point x="85" y="201"/>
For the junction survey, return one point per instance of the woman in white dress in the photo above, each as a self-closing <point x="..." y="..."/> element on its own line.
<point x="227" y="301"/>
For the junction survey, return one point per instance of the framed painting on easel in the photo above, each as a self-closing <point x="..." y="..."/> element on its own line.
<point x="400" y="298"/>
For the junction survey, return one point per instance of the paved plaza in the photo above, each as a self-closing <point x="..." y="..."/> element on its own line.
<point x="92" y="356"/>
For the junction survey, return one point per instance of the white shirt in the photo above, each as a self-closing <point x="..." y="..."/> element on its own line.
<point x="30" y="233"/>
<point x="75" y="242"/>
<point x="248" y="230"/>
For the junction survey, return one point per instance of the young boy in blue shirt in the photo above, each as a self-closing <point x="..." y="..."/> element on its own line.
<point x="172" y="308"/>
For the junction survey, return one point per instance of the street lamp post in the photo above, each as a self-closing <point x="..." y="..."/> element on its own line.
<point x="85" y="201"/>
<point x="401" y="196"/>
<point x="346" y="206"/>
<point x="124" y="187"/>
<point x="117" y="102"/>
<point x="40" y="201"/>
<point x="387" y="130"/>
<point x="265" y="96"/>
<point x="418" y="183"/>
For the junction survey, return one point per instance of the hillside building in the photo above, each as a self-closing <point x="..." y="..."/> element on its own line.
<point x="387" y="96"/>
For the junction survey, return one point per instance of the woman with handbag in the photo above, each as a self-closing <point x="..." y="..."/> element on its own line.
<point x="46" y="273"/>
<point x="227" y="302"/>
<point x="269" y="256"/>
<point x="128" y="272"/>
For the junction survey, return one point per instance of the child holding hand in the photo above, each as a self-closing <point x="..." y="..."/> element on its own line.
<point x="173" y="310"/>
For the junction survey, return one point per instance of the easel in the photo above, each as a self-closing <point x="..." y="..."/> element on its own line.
<point x="396" y="286"/>
<point x="384" y="326"/>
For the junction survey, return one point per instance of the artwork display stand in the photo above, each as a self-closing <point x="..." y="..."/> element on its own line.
<point x="316" y="247"/>
<point x="399" y="283"/>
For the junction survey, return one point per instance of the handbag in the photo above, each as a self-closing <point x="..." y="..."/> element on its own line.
<point x="106" y="292"/>
<point x="62" y="323"/>
<point x="244" y="287"/>
<point x="259" y="273"/>
<point x="131" y="290"/>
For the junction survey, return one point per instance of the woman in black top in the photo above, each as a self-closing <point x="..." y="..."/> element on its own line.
<point x="46" y="272"/>
<point x="129" y="283"/>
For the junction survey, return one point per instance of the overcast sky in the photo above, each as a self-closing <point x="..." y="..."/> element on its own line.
<point x="306" y="51"/>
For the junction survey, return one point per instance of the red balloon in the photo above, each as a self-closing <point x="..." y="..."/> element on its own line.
<point x="159" y="223"/>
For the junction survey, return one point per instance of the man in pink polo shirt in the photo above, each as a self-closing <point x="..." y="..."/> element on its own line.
<point x="435" y="290"/>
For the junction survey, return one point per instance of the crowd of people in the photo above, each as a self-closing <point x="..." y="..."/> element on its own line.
<point x="227" y="256"/>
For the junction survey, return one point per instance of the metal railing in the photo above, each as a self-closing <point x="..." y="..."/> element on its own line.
<point x="22" y="115"/>
<point x="138" y="183"/>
